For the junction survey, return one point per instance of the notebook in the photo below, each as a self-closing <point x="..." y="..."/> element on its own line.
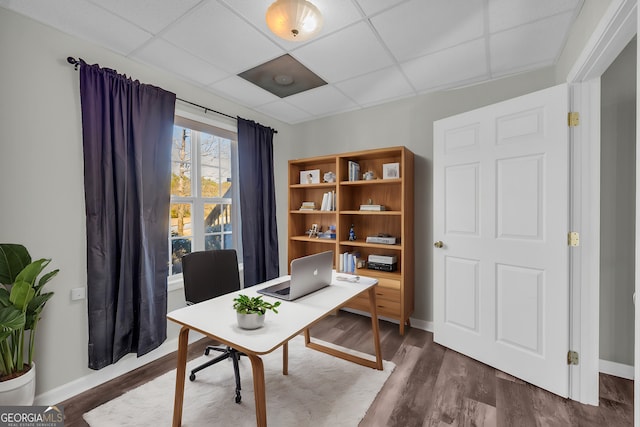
<point x="308" y="274"/>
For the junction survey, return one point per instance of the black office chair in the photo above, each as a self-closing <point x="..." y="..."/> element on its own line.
<point x="206" y="275"/>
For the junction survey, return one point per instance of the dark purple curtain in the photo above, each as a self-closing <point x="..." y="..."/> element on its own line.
<point x="257" y="202"/>
<point x="127" y="129"/>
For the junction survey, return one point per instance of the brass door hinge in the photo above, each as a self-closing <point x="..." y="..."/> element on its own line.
<point x="574" y="118"/>
<point x="574" y="238"/>
<point x="572" y="358"/>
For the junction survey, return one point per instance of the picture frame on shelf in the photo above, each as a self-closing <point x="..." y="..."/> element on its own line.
<point x="310" y="176"/>
<point x="391" y="171"/>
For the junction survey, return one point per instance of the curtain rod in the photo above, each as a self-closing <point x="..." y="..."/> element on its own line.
<point x="73" y="61"/>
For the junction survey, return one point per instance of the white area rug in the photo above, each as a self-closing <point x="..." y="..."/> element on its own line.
<point x="320" y="390"/>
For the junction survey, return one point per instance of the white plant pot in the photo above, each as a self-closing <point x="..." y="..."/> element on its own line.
<point x="20" y="390"/>
<point x="251" y="320"/>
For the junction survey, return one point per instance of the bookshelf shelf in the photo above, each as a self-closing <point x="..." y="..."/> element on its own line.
<point x="312" y="240"/>
<point x="363" y="244"/>
<point x="314" y="212"/>
<point x="382" y="213"/>
<point x="373" y="182"/>
<point x="307" y="186"/>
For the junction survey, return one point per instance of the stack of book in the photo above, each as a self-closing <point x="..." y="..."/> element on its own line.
<point x="328" y="201"/>
<point x="354" y="171"/>
<point x="372" y="207"/>
<point x="308" y="206"/>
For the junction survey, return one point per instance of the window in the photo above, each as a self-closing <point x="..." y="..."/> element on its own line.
<point x="202" y="190"/>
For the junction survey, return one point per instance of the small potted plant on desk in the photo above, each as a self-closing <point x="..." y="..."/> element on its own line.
<point x="251" y="311"/>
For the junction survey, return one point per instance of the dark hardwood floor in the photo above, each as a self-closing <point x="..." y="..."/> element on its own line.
<point x="431" y="386"/>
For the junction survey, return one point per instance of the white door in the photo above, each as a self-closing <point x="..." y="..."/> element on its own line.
<point x="501" y="289"/>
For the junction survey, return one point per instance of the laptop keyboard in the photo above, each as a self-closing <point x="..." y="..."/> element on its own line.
<point x="284" y="291"/>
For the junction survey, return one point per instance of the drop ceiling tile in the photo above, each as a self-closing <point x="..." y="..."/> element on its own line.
<point x="164" y="55"/>
<point x="419" y="27"/>
<point x="206" y="39"/>
<point x="321" y="101"/>
<point x="536" y="43"/>
<point x="344" y="54"/>
<point x="150" y="15"/>
<point x="84" y="20"/>
<point x="376" y="87"/>
<point x="284" y="112"/>
<point x="464" y="63"/>
<point x="243" y="91"/>
<point x="215" y="34"/>
<point x="336" y="14"/>
<point x="504" y="14"/>
<point x="369" y="7"/>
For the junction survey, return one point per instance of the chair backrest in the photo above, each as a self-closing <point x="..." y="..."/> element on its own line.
<point x="208" y="274"/>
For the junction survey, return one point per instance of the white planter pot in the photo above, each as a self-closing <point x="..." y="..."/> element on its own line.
<point x="250" y="321"/>
<point x="20" y="390"/>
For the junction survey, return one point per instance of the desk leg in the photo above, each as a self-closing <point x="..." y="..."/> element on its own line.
<point x="183" y="341"/>
<point x="377" y="364"/>
<point x="285" y="358"/>
<point x="259" y="390"/>
<point x="374" y="326"/>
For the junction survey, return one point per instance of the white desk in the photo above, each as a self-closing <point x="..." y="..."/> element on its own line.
<point x="216" y="319"/>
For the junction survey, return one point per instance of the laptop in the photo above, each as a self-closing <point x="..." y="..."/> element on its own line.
<point x="308" y="274"/>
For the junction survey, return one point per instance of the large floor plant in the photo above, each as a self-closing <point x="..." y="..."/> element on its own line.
<point x="21" y="303"/>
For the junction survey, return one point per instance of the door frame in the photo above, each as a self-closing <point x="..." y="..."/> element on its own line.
<point x="615" y="30"/>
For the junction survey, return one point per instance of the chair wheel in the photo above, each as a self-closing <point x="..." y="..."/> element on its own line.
<point x="206" y="351"/>
<point x="192" y="377"/>
<point x="238" y="398"/>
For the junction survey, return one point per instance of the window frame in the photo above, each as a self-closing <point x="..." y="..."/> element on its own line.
<point x="203" y="124"/>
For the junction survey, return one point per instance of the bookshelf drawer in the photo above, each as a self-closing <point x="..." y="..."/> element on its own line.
<point x="389" y="285"/>
<point x="387" y="301"/>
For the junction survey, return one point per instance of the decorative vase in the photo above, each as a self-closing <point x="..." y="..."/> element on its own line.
<point x="250" y="320"/>
<point x="20" y="390"/>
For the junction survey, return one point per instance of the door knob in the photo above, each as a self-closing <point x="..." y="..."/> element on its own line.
<point x="438" y="244"/>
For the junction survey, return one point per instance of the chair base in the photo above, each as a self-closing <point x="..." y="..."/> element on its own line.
<point x="227" y="353"/>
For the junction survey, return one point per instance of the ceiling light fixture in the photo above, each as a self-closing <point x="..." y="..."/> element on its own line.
<point x="294" y="20"/>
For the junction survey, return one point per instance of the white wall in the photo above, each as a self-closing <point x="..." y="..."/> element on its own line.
<point x="617" y="208"/>
<point x="41" y="173"/>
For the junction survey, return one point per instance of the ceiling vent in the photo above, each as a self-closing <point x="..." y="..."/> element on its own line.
<point x="283" y="76"/>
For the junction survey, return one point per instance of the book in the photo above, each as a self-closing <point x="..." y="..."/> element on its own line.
<point x="372" y="207"/>
<point x="348" y="262"/>
<point x="354" y="171"/>
<point x="328" y="201"/>
<point x="308" y="206"/>
<point x="385" y="240"/>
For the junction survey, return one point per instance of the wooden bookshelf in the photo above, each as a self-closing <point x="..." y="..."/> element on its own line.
<point x="395" y="289"/>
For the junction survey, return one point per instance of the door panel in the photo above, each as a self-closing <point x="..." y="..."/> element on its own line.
<point x="501" y="211"/>
<point x="519" y="307"/>
<point x="461" y="203"/>
<point x="519" y="197"/>
<point x="461" y="299"/>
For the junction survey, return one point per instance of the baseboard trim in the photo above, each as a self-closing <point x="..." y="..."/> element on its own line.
<point x="617" y="369"/>
<point x="94" y="379"/>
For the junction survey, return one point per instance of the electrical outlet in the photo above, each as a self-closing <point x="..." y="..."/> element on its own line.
<point x="78" y="294"/>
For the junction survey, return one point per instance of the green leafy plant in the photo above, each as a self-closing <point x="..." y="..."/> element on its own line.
<point x="254" y="305"/>
<point x="21" y="303"/>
